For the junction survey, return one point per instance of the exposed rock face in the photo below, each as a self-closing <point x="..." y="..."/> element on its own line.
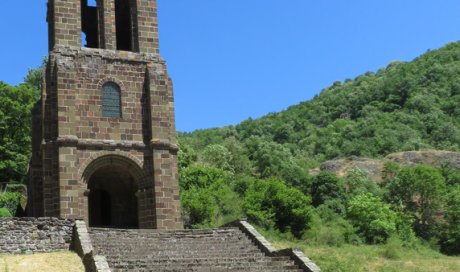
<point x="375" y="166"/>
<point x="342" y="166"/>
<point x="430" y="157"/>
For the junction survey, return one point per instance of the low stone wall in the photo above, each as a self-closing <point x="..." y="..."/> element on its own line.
<point x="296" y="255"/>
<point x="30" y="235"/>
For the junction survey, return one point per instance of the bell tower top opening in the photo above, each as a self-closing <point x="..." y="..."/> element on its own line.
<point x="124" y="25"/>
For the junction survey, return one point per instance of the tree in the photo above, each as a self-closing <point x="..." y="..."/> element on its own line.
<point x="270" y="203"/>
<point x="419" y="191"/>
<point x="207" y="197"/>
<point x="374" y="219"/>
<point x="218" y="156"/>
<point x="327" y="186"/>
<point x="357" y="182"/>
<point x="15" y="130"/>
<point x="450" y="242"/>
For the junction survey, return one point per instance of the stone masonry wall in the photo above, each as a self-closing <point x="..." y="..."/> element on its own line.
<point x="76" y="134"/>
<point x="33" y="235"/>
<point x="72" y="139"/>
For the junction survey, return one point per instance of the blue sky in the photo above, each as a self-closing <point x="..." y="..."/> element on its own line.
<point x="231" y="60"/>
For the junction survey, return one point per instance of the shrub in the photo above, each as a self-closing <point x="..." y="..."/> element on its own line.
<point x="10" y="201"/>
<point x="392" y="249"/>
<point x="327" y="186"/>
<point x="373" y="218"/>
<point x="450" y="242"/>
<point x="271" y="203"/>
<point x="359" y="181"/>
<point x="5" y="213"/>
<point x="419" y="191"/>
<point x="198" y="207"/>
<point x="332" y="230"/>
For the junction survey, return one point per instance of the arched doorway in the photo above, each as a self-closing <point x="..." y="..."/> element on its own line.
<point x="112" y="198"/>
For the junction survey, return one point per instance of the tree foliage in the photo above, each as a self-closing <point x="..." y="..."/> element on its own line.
<point x="16" y="102"/>
<point x="404" y="106"/>
<point x="271" y="203"/>
<point x="419" y="191"/>
<point x="374" y="219"/>
<point x="260" y="167"/>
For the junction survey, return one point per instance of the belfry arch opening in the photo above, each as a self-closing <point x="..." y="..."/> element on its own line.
<point x="112" y="200"/>
<point x="90" y="24"/>
<point x="125" y="24"/>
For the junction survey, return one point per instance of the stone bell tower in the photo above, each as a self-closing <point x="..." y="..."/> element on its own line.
<point x="104" y="145"/>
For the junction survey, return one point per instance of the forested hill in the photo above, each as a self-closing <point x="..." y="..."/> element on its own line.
<point x="261" y="168"/>
<point x="405" y="106"/>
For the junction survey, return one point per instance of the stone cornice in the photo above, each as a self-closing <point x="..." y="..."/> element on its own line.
<point x="106" y="54"/>
<point x="73" y="141"/>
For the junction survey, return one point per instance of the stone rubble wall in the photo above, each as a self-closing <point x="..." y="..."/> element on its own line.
<point x="35" y="235"/>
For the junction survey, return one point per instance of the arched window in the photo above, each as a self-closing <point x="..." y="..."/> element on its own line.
<point x="111" y="100"/>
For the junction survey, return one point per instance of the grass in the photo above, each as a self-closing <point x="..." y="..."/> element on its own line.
<point x="384" y="258"/>
<point x="64" y="261"/>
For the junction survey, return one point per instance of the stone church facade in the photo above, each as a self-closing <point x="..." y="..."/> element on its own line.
<point x="104" y="146"/>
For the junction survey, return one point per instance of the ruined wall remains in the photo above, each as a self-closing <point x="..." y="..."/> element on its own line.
<point x="33" y="235"/>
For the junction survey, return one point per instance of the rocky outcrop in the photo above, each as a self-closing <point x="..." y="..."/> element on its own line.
<point x="431" y="157"/>
<point x="375" y="166"/>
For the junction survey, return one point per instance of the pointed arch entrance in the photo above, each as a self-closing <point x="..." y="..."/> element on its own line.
<point x="112" y="185"/>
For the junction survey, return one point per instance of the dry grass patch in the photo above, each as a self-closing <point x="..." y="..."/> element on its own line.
<point x="65" y="261"/>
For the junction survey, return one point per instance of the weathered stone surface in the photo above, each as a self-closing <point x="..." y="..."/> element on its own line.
<point x="431" y="157"/>
<point x="375" y="166"/>
<point x="224" y="249"/>
<point x="33" y="235"/>
<point x="73" y="142"/>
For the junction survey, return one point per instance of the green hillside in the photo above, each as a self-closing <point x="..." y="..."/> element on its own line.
<point x="260" y="168"/>
<point x="405" y="106"/>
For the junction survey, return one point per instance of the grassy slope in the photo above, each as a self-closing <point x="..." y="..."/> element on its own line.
<point x="64" y="261"/>
<point x="350" y="258"/>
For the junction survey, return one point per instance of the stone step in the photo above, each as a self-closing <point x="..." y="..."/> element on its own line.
<point x="180" y="247"/>
<point x="156" y="244"/>
<point x="166" y="234"/>
<point x="207" y="269"/>
<point x="254" y="259"/>
<point x="186" y="265"/>
<point x="226" y="249"/>
<point x="175" y="255"/>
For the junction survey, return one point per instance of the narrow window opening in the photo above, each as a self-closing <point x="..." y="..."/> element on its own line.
<point x="111" y="100"/>
<point x="124" y="27"/>
<point x="90" y="23"/>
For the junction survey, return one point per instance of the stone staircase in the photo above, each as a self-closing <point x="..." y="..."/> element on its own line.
<point x="225" y="249"/>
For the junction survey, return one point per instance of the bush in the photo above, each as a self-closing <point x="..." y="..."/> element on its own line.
<point x="332" y="230"/>
<point x="450" y="242"/>
<point x="327" y="186"/>
<point x="373" y="218"/>
<point x="207" y="197"/>
<point x="392" y="249"/>
<point x="198" y="208"/>
<point x="5" y="213"/>
<point x="359" y="181"/>
<point x="270" y="203"/>
<point x="419" y="191"/>
<point x="10" y="201"/>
